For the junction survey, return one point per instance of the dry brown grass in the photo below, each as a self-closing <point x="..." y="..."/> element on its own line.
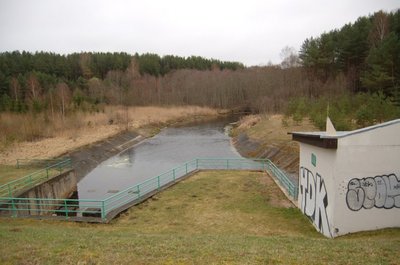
<point x="274" y="142"/>
<point x="45" y="136"/>
<point x="249" y="121"/>
<point x="271" y="128"/>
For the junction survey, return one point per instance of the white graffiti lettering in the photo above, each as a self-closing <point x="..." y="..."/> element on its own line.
<point x="314" y="199"/>
<point x="380" y="192"/>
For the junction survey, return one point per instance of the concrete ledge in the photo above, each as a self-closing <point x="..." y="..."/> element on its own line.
<point x="59" y="187"/>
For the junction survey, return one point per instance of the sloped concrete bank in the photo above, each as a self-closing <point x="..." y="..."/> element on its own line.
<point x="86" y="158"/>
<point x="59" y="187"/>
<point x="284" y="155"/>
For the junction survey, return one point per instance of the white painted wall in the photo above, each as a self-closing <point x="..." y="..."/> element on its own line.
<point x="368" y="180"/>
<point x="316" y="187"/>
<point x="361" y="180"/>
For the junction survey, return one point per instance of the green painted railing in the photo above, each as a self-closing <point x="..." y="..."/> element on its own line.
<point x="289" y="185"/>
<point x="11" y="188"/>
<point x="43" y="163"/>
<point x="65" y="208"/>
<point x="103" y="209"/>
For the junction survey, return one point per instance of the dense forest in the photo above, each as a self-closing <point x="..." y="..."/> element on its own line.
<point x="30" y="81"/>
<point x="367" y="52"/>
<point x="360" y="57"/>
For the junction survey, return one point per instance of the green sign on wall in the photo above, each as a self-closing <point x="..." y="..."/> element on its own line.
<point x="313" y="159"/>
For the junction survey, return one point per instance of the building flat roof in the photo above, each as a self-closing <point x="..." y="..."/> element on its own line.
<point x="325" y="140"/>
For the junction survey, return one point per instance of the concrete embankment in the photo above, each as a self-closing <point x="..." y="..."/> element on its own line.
<point x="266" y="136"/>
<point x="37" y="200"/>
<point x="86" y="158"/>
<point x="284" y="155"/>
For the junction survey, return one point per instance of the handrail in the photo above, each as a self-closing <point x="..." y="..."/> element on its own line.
<point x="30" y="162"/>
<point x="122" y="195"/>
<point x="99" y="209"/>
<point x="31" y="179"/>
<point x="288" y="184"/>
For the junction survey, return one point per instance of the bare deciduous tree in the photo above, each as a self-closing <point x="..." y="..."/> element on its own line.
<point x="380" y="28"/>
<point x="34" y="87"/>
<point x="63" y="95"/>
<point x="15" y="88"/>
<point x="289" y="57"/>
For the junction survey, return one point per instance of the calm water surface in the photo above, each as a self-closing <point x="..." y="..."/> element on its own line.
<point x="170" y="148"/>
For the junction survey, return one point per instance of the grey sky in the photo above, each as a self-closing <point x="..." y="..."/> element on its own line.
<point x="251" y="31"/>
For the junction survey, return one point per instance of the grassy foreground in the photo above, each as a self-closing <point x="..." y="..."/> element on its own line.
<point x="226" y="217"/>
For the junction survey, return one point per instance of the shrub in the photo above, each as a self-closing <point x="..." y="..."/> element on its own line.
<point x="347" y="112"/>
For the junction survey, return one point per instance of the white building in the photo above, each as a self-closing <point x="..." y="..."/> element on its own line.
<point x="350" y="181"/>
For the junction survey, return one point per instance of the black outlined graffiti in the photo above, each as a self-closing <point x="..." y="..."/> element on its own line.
<point x="380" y="192"/>
<point x="314" y="200"/>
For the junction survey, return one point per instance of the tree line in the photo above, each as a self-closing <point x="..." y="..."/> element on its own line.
<point x="363" y="56"/>
<point x="32" y="80"/>
<point x="366" y="52"/>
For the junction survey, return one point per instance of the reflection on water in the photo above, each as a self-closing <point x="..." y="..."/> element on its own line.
<point x="171" y="147"/>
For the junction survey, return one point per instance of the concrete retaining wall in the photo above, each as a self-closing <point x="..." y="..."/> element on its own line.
<point x="59" y="187"/>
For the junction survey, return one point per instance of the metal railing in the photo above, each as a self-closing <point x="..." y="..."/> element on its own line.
<point x="11" y="188"/>
<point x="43" y="163"/>
<point x="65" y="208"/>
<point x="289" y="185"/>
<point x="106" y="209"/>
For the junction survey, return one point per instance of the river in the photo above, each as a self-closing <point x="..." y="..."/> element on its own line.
<point x="153" y="156"/>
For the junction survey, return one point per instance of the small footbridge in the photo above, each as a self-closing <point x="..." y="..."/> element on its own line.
<point x="104" y="210"/>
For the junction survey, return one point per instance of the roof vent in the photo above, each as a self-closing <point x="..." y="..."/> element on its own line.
<point x="330" y="129"/>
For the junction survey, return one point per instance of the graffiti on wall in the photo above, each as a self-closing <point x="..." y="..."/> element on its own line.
<point x="314" y="199"/>
<point x="380" y="192"/>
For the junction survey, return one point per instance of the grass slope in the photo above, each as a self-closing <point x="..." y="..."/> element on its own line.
<point x="213" y="217"/>
<point x="10" y="173"/>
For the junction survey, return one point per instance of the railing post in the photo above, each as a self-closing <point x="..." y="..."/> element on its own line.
<point x="103" y="211"/>
<point x="17" y="163"/>
<point x="30" y="180"/>
<point x="14" y="209"/>
<point x="138" y="191"/>
<point x="66" y="209"/>
<point x="9" y="190"/>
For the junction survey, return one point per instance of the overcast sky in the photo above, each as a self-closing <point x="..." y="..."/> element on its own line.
<point x="249" y="31"/>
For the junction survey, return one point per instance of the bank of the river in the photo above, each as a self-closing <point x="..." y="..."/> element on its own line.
<point x="145" y="121"/>
<point x="266" y="136"/>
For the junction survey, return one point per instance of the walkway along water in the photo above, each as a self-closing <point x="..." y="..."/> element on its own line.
<point x="123" y="180"/>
